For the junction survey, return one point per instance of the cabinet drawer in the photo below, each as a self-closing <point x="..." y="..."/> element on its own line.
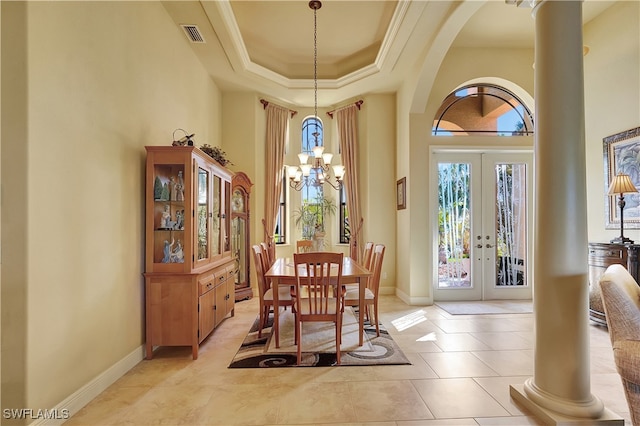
<point x="231" y="273"/>
<point x="207" y="283"/>
<point x="607" y="254"/>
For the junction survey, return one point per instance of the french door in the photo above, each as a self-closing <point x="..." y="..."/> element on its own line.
<point x="484" y="213"/>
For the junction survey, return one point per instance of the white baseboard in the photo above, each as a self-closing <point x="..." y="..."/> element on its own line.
<point x="74" y="402"/>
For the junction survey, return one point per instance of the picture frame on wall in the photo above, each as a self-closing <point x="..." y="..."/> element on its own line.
<point x="401" y="194"/>
<point x="621" y="153"/>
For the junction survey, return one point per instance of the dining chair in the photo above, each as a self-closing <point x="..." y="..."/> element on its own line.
<point x="304" y="246"/>
<point x="265" y="290"/>
<point x="351" y="297"/>
<point x="268" y="256"/>
<point x="318" y="293"/>
<point x="367" y="255"/>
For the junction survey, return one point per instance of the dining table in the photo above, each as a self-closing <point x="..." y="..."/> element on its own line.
<point x="282" y="273"/>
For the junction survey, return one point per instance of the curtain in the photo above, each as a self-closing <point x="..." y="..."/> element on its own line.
<point x="275" y="141"/>
<point x="347" y="121"/>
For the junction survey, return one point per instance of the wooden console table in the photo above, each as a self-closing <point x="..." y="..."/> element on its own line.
<point x="601" y="256"/>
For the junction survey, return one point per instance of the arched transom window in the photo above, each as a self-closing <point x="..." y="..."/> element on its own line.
<point x="482" y="109"/>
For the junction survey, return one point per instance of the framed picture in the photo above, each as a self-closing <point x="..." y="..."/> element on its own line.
<point x="622" y="155"/>
<point x="401" y="194"/>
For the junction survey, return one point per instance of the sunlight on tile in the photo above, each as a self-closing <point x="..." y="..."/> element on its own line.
<point x="408" y="321"/>
<point x="431" y="337"/>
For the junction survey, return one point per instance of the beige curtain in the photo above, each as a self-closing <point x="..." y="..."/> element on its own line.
<point x="347" y="120"/>
<point x="275" y="141"/>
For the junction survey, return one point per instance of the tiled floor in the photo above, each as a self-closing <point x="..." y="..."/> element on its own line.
<point x="461" y="370"/>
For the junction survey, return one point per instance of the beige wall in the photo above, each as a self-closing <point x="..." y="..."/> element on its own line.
<point x="91" y="84"/>
<point x="612" y="100"/>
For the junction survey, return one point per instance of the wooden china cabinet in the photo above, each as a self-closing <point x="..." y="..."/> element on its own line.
<point x="189" y="268"/>
<point x="240" y="191"/>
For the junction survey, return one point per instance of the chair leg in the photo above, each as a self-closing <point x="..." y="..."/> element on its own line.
<point x="264" y="317"/>
<point x="299" y="339"/>
<point x="338" y="339"/>
<point x="375" y="311"/>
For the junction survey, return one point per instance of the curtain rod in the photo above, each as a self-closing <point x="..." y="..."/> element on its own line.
<point x="265" y="103"/>
<point x="356" y="103"/>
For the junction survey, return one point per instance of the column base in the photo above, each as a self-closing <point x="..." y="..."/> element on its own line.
<point x="550" y="417"/>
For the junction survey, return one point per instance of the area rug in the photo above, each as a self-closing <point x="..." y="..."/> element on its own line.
<point x="487" y="307"/>
<point x="318" y="345"/>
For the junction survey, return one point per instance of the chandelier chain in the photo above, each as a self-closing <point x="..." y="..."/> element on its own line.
<point x="315" y="71"/>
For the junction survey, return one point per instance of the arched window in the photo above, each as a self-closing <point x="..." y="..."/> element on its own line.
<point x="312" y="135"/>
<point x="482" y="109"/>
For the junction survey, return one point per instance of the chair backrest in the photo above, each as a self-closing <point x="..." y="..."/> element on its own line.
<point x="621" y="301"/>
<point x="260" y="271"/>
<point x="376" y="268"/>
<point x="367" y="255"/>
<point x="304" y="246"/>
<point x="268" y="256"/>
<point x="318" y="278"/>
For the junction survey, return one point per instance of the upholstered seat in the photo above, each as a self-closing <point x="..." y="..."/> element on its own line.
<point x="621" y="301"/>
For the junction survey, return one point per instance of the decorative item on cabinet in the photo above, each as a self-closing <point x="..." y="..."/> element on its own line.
<point x="601" y="256"/>
<point x="240" y="235"/>
<point x="187" y="139"/>
<point x="189" y="268"/>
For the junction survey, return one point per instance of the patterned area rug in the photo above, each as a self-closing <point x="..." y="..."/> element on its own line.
<point x="318" y="345"/>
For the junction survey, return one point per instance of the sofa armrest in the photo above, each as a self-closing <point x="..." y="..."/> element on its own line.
<point x="627" y="356"/>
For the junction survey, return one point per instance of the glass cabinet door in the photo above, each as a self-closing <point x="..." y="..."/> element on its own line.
<point x="203" y="214"/>
<point x="168" y="213"/>
<point x="217" y="217"/>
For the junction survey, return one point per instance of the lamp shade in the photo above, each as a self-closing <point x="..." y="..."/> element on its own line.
<point x="621" y="184"/>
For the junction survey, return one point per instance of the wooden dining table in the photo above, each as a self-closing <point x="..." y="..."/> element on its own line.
<point x="282" y="272"/>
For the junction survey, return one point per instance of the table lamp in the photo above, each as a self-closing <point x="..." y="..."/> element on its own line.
<point x="621" y="185"/>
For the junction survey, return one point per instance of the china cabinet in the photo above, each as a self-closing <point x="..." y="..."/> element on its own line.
<point x="240" y="191"/>
<point x="189" y="268"/>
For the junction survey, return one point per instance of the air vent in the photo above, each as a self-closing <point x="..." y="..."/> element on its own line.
<point x="193" y="33"/>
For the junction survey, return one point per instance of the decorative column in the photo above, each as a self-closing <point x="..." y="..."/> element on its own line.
<point x="559" y="392"/>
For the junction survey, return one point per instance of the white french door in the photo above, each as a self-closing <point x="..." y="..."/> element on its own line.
<point x="482" y="202"/>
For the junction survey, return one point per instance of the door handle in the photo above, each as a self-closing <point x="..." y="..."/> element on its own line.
<point x="489" y="246"/>
<point x="479" y="246"/>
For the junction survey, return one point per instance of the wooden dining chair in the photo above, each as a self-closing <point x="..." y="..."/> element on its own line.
<point x="318" y="293"/>
<point x="268" y="255"/>
<point x="367" y="255"/>
<point x="351" y="297"/>
<point x="265" y="290"/>
<point x="304" y="246"/>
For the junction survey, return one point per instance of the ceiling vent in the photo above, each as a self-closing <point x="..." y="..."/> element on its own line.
<point x="193" y="33"/>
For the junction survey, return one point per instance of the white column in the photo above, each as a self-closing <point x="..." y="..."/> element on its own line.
<point x="560" y="390"/>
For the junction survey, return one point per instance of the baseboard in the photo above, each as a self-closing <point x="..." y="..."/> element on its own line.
<point x="74" y="402"/>
<point x="414" y="301"/>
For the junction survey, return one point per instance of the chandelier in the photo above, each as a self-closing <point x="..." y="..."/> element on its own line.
<point x="320" y="163"/>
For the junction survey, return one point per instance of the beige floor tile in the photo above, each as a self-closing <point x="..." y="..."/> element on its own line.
<point x="456" y="342"/>
<point x="508" y="340"/>
<point x="508" y="363"/>
<point x="317" y="402"/>
<point x="233" y="404"/>
<point x="458" y="398"/>
<point x="498" y="388"/>
<point x="387" y="400"/>
<point x="457" y="364"/>
<point x="439" y="422"/>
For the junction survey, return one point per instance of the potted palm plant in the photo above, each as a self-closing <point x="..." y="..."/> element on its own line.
<point x="310" y="218"/>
